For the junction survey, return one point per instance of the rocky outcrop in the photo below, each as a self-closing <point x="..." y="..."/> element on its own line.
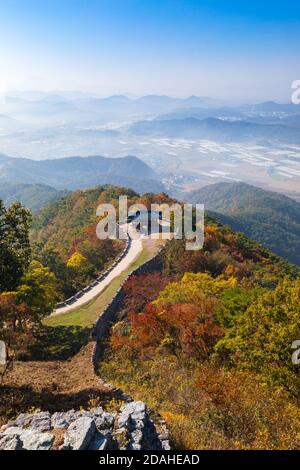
<point x="129" y="428"/>
<point x="16" y="438"/>
<point x="79" y="434"/>
<point x="138" y="429"/>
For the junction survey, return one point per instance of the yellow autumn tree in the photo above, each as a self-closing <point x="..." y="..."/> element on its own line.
<point x="192" y="288"/>
<point x="78" y="262"/>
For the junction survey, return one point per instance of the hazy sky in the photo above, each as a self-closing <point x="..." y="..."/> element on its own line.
<point x="232" y="49"/>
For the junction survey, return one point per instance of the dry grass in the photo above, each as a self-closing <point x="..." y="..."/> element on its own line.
<point x="51" y="385"/>
<point x="58" y="438"/>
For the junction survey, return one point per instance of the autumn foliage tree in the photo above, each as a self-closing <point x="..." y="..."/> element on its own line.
<point x="181" y="329"/>
<point x="181" y="321"/>
<point x="142" y="289"/>
<point x="212" y="355"/>
<point x="38" y="289"/>
<point x="13" y="316"/>
<point x="15" y="248"/>
<point x="28" y="290"/>
<point x="260" y="339"/>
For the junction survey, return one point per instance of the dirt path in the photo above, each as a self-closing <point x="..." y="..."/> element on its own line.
<point x="135" y="249"/>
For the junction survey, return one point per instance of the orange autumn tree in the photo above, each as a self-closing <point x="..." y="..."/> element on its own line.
<point x="140" y="290"/>
<point x="13" y="315"/>
<point x="181" y="321"/>
<point x="180" y="329"/>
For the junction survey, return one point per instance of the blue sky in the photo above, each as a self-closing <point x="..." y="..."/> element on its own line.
<point x="231" y="49"/>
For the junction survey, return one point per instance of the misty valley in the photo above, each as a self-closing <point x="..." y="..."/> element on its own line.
<point x="187" y="145"/>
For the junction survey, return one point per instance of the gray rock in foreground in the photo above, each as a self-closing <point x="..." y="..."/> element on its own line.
<point x="10" y="442"/>
<point x="79" y="434"/>
<point x="138" y="428"/>
<point x="30" y="439"/>
<point x="96" y="429"/>
<point x="101" y="441"/>
<point x="63" y="420"/>
<point x="41" y="421"/>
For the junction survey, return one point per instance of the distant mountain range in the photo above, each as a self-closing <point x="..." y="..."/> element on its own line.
<point x="62" y="108"/>
<point x="269" y="218"/>
<point x="215" y="129"/>
<point x="81" y="172"/>
<point x="56" y="108"/>
<point x="265" y="109"/>
<point x="37" y="124"/>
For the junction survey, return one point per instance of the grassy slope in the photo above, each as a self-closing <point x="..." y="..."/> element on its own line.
<point x="85" y="315"/>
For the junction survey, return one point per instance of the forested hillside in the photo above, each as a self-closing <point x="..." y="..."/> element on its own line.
<point x="28" y="290"/>
<point x="49" y="363"/>
<point x="63" y="235"/>
<point x="32" y="196"/>
<point x="80" y="172"/>
<point x="207" y="342"/>
<point x="270" y="218"/>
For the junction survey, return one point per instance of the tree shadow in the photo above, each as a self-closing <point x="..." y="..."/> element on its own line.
<point x="15" y="400"/>
<point x="52" y="343"/>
